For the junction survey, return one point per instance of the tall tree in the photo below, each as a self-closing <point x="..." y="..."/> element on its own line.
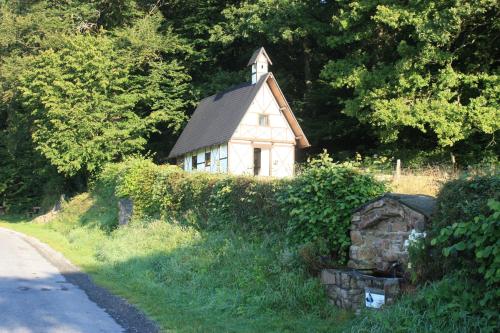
<point x="59" y="66"/>
<point x="295" y="34"/>
<point x="93" y="103"/>
<point x="428" y="65"/>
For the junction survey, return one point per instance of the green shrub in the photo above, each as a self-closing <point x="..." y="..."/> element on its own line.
<point x="463" y="239"/>
<point x="459" y="201"/>
<point x="315" y="206"/>
<point x="320" y="203"/>
<point x="475" y="246"/>
<point x="463" y="199"/>
<point x="205" y="201"/>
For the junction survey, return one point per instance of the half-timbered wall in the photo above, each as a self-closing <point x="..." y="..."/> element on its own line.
<point x="277" y="129"/>
<point x="264" y="126"/>
<point x="217" y="163"/>
<point x="240" y="158"/>
<point x="282" y="160"/>
<point x="274" y="136"/>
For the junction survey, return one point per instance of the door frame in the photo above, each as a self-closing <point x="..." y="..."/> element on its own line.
<point x="267" y="146"/>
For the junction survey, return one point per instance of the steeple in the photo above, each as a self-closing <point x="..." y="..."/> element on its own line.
<point x="259" y="62"/>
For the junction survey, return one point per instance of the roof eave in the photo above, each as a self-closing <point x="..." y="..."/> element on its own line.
<point x="300" y="137"/>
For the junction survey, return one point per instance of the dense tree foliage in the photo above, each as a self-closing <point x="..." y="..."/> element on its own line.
<point x="85" y="82"/>
<point x="425" y="64"/>
<point x="92" y="103"/>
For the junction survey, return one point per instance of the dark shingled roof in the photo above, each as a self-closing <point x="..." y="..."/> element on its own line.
<point x="424" y="204"/>
<point x="216" y="118"/>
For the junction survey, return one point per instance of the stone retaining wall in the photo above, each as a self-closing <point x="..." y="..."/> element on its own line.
<point x="346" y="288"/>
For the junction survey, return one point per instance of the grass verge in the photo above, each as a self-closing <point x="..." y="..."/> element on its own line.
<point x="186" y="280"/>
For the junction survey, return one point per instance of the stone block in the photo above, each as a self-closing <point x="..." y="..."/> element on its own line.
<point x="390" y="256"/>
<point x="332" y="294"/>
<point x="392" y="288"/>
<point x="345" y="280"/>
<point x="356" y="237"/>
<point x="328" y="276"/>
<point x="401" y="226"/>
<point x="344" y="293"/>
<point x="355" y="217"/>
<point x="125" y="210"/>
<point x="353" y="251"/>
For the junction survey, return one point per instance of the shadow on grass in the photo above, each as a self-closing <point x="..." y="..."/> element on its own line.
<point x="218" y="283"/>
<point x="14" y="218"/>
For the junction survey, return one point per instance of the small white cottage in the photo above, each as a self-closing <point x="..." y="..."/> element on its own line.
<point x="246" y="130"/>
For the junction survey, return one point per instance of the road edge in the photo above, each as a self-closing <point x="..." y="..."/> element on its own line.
<point x="125" y="314"/>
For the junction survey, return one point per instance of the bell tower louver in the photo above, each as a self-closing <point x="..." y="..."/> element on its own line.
<point x="260" y="62"/>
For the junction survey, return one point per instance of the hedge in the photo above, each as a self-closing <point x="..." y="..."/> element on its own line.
<point x="463" y="239"/>
<point x="312" y="207"/>
<point x="459" y="202"/>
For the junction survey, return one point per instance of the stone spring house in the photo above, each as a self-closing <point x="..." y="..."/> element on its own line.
<point x="248" y="129"/>
<point x="381" y="232"/>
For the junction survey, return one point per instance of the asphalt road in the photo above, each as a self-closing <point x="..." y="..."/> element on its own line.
<point x="41" y="292"/>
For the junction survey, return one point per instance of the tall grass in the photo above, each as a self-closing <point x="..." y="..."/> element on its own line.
<point x="189" y="280"/>
<point x="427" y="180"/>
<point x="423" y="181"/>
<point x="434" y="308"/>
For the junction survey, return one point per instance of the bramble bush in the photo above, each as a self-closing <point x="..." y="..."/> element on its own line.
<point x="314" y="207"/>
<point x="476" y="248"/>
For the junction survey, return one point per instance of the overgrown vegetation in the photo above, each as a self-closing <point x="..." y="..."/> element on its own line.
<point x="459" y="203"/>
<point x="218" y="252"/>
<point x="320" y="202"/>
<point x="191" y="280"/>
<point x="313" y="208"/>
<point x="180" y="265"/>
<point x="449" y="305"/>
<point x="84" y="83"/>
<point x="463" y="244"/>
